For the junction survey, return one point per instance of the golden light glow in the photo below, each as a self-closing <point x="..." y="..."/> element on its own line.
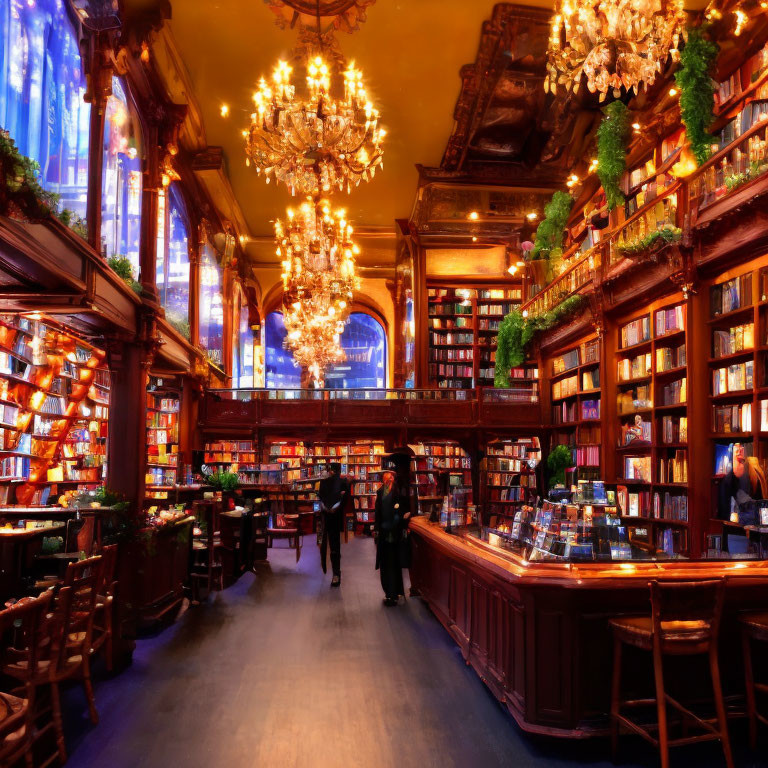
<point x="741" y="21"/>
<point x="532" y="216"/>
<point x="224" y="110"/>
<point x="314" y="143"/>
<point x="473" y="216"/>
<point x="612" y="44"/>
<point x="673" y="92"/>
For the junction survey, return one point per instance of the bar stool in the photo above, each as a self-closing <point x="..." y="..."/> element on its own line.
<point x="684" y="621"/>
<point x="754" y="626"/>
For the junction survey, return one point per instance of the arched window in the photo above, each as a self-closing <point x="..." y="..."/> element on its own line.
<point x="363" y="339"/>
<point x="172" y="266"/>
<point x="41" y="95"/>
<point x="365" y="343"/>
<point x="211" y="306"/>
<point x="281" y="372"/>
<point x="121" y="179"/>
<point x="242" y="364"/>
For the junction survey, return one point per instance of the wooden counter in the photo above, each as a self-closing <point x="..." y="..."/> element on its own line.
<point x="537" y="633"/>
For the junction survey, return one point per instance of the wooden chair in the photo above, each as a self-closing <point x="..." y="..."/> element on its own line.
<point x="206" y="565"/>
<point x="68" y="653"/>
<point x="25" y="628"/>
<point x="684" y="621"/>
<point x="754" y="627"/>
<point x="285" y="522"/>
<point x="103" y="620"/>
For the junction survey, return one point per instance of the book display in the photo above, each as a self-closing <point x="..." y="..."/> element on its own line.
<point x="162" y="439"/>
<point x="510" y="476"/>
<point x="575" y="387"/>
<point x="240" y="457"/>
<point x="463" y="326"/>
<point x="290" y="455"/>
<point x="652" y="435"/>
<point x="54" y="411"/>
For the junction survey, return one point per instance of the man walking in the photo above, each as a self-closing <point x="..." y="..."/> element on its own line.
<point x="333" y="492"/>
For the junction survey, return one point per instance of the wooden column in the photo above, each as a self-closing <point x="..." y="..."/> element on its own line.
<point x="195" y="248"/>
<point x="421" y="317"/>
<point x="129" y="367"/>
<point x="150" y="190"/>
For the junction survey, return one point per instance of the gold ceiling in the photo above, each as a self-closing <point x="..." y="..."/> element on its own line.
<point x="410" y="52"/>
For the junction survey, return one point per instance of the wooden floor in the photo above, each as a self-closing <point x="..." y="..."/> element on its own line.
<point x="281" y="671"/>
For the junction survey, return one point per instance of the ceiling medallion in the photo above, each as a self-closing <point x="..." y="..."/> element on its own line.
<point x="345" y="15"/>
<point x="318" y="260"/>
<point x="315" y="143"/>
<point x="614" y="44"/>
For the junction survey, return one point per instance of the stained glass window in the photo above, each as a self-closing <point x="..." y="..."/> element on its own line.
<point x="281" y="371"/>
<point x="121" y="179"/>
<point x="242" y="365"/>
<point x="365" y="343"/>
<point x="172" y="265"/>
<point x="41" y="95"/>
<point x="211" y="307"/>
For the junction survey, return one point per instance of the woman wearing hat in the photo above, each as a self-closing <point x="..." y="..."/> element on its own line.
<point x="395" y="503"/>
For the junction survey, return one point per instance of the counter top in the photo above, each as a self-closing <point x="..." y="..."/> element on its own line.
<point x="512" y="567"/>
<point x="29" y="533"/>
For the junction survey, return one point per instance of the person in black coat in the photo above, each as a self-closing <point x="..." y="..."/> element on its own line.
<point x="395" y="504"/>
<point x="333" y="493"/>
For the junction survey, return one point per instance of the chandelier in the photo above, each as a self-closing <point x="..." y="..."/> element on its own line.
<point x="315" y="143"/>
<point x="615" y="44"/>
<point x="318" y="259"/>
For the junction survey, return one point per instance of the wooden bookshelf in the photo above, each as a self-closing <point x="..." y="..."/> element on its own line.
<point x="238" y="456"/>
<point x="291" y="456"/>
<point x="576" y="403"/>
<point x="163" y="404"/>
<point x="54" y="410"/>
<point x="432" y="457"/>
<point x="509" y="477"/>
<point x="652" y="425"/>
<point x="463" y="326"/>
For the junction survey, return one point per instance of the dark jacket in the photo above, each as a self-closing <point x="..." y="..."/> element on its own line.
<point x="405" y="498"/>
<point x="333" y="489"/>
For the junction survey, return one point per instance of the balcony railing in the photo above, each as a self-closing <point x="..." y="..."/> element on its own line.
<point x="579" y="274"/>
<point x="731" y="168"/>
<point x="519" y="391"/>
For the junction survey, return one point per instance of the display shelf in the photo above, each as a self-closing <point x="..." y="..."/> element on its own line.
<point x="162" y="430"/>
<point x="509" y="477"/>
<point x="431" y="459"/>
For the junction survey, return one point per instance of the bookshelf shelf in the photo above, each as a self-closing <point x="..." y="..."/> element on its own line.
<point x="162" y="429"/>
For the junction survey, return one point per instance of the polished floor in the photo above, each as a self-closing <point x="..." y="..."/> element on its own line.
<point x="281" y="671"/>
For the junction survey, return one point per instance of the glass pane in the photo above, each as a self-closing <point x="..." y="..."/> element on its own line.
<point x="121" y="180"/>
<point x="281" y="371"/>
<point x="242" y="374"/>
<point x="365" y="343"/>
<point x="173" y="267"/>
<point x="211" y="308"/>
<point x="41" y="95"/>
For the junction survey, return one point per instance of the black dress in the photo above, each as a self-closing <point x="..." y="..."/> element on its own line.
<point x="333" y="490"/>
<point x="390" y="526"/>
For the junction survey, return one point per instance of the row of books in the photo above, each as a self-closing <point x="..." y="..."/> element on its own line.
<point x="486" y="373"/>
<point x="450" y="323"/>
<point x="634" y="367"/>
<point x="365" y="489"/>
<point x="500" y="293"/>
<point x="167" y="404"/>
<point x="452" y="354"/>
<point x="590" y="379"/>
<point x="230" y="446"/>
<point x="674" y="429"/>
<point x="732" y="418"/>
<point x="565" y="361"/>
<point x="161" y="420"/>
<point x="449" y="339"/>
<point x="14" y="468"/>
<point x="668" y="358"/>
<point x="495" y="309"/>
<point x="735" y="339"/>
<point x="160" y="476"/>
<point x="488" y="325"/>
<point x="565" y="387"/>
<point x="634" y="399"/>
<point x="464" y="371"/>
<point x="731" y="295"/>
<point x="454" y="308"/>
<point x="674" y="393"/>
<point x="733" y="378"/>
<point x="586" y="456"/>
<point x="157" y="436"/>
<point x="670" y="319"/>
<point x="674" y="469"/>
<point x="512" y="493"/>
<point x="8" y="413"/>
<point x="636" y="332"/>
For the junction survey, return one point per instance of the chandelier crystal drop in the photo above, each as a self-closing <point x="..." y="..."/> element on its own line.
<point x="615" y="44"/>
<point x="316" y="143"/>
<point x="318" y="260"/>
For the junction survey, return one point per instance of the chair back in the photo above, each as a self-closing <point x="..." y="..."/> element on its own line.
<point x="204" y="520"/>
<point x="84" y="578"/>
<point x="108" y="567"/>
<point x="25" y="633"/>
<point x="687" y="611"/>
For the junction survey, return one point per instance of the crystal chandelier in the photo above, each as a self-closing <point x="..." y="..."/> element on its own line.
<point x="318" y="259"/>
<point x="315" y="143"/>
<point x="615" y="44"/>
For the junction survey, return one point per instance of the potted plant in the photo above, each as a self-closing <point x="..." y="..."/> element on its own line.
<point x="558" y="461"/>
<point x="223" y="482"/>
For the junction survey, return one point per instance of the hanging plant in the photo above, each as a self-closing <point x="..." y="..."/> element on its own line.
<point x="551" y="231"/>
<point x="516" y="333"/>
<point x="558" y="461"/>
<point x="697" y="91"/>
<point x="124" y="269"/>
<point x="656" y="239"/>
<point x="612" y="138"/>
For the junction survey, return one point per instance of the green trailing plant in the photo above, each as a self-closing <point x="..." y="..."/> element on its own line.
<point x="223" y="481"/>
<point x="657" y="238"/>
<point x="559" y="459"/>
<point x="180" y="323"/>
<point x="612" y="151"/>
<point x="697" y="91"/>
<point x="551" y="230"/>
<point x="124" y="269"/>
<point x="516" y="332"/>
<point x="21" y="188"/>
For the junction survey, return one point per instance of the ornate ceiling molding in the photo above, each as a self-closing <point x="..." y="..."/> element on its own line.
<point x="343" y="15"/>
